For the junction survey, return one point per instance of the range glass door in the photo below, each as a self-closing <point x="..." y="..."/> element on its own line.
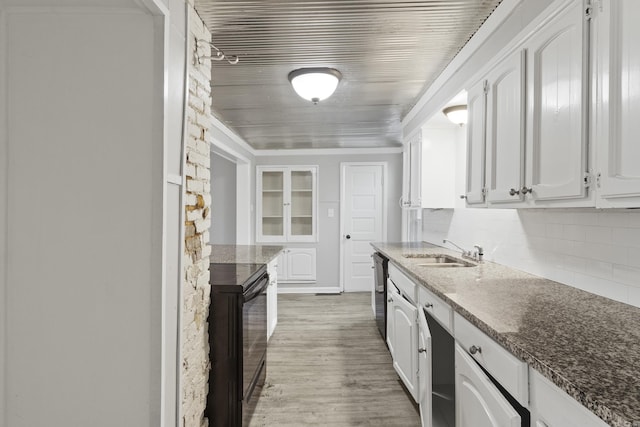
<point x="254" y="334"/>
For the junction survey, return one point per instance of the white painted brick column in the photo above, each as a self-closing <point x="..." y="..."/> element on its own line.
<point x="196" y="288"/>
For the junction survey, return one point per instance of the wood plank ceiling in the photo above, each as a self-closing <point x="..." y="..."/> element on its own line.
<point x="388" y="52"/>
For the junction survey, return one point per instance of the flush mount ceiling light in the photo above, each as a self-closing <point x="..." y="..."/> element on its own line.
<point x="315" y="84"/>
<point x="456" y="113"/>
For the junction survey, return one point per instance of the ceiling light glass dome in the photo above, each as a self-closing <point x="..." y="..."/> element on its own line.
<point x="315" y="84"/>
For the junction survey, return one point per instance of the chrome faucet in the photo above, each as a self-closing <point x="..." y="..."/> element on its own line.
<point x="474" y="255"/>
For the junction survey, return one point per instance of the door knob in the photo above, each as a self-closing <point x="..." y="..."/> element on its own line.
<point x="348" y="236"/>
<point x="513" y="192"/>
<point x="473" y="349"/>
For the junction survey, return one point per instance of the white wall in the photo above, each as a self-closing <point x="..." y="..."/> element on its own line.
<point x="4" y="166"/>
<point x="223" y="192"/>
<point x="328" y="247"/>
<point x="84" y="207"/>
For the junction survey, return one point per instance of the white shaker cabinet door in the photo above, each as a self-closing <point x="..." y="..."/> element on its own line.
<point x="557" y="143"/>
<point x="505" y="130"/>
<point x="476" y="107"/>
<point x="424" y="370"/>
<point x="405" y="352"/>
<point x="478" y="402"/>
<point x="392" y="295"/>
<point x="618" y="124"/>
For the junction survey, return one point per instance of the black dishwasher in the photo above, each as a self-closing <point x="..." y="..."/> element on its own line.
<point x="381" y="264"/>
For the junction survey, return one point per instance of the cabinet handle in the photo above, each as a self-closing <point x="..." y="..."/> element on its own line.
<point x="428" y="305"/>
<point x="462" y="196"/>
<point x="422" y="350"/>
<point x="473" y="349"/>
<point x="390" y="300"/>
<point x="514" y="192"/>
<point x="525" y="190"/>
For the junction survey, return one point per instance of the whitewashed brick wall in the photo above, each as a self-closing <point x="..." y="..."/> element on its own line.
<point x="594" y="250"/>
<point x="195" y="309"/>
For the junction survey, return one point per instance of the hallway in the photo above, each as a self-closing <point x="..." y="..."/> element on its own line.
<point x="328" y="366"/>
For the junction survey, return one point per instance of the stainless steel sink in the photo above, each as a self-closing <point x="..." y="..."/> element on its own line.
<point x="440" y="260"/>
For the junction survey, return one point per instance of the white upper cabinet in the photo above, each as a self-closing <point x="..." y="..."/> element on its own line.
<point x="286" y="204"/>
<point x="618" y="103"/>
<point x="412" y="172"/>
<point x="557" y="64"/>
<point x="476" y="126"/>
<point x="505" y="130"/>
<point x="528" y="120"/>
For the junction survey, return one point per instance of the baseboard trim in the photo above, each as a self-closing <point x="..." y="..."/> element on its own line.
<point x="308" y="290"/>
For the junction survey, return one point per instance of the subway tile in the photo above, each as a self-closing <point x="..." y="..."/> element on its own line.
<point x="554" y="230"/>
<point x="626" y="237"/>
<point x="634" y="257"/>
<point x="605" y="288"/>
<point x="634" y="296"/>
<point x="598" y="234"/>
<point x="627" y="275"/>
<point x="574" y="232"/>
<point x="573" y="263"/>
<point x="603" y="270"/>
<point x="584" y="218"/>
<point x="601" y="252"/>
<point x="632" y="219"/>
<point x="563" y="246"/>
<point x="537" y="229"/>
<point x="611" y="219"/>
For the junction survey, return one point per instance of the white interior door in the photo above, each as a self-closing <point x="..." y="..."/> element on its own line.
<point x="362" y="222"/>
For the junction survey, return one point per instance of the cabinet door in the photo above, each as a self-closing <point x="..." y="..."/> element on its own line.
<point x="619" y="103"/>
<point x="557" y="152"/>
<point x="301" y="264"/>
<point x="415" y="186"/>
<point x="478" y="402"/>
<point x="405" y="331"/>
<point x="392" y="295"/>
<point x="272" y="197"/>
<point x="281" y="266"/>
<point x="424" y="370"/>
<point x="476" y="108"/>
<point x="505" y="130"/>
<point x="301" y="205"/>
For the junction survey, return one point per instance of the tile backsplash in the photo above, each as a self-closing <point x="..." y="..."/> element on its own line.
<point x="594" y="250"/>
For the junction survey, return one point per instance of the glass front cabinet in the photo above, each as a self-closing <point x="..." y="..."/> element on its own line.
<point x="286" y="204"/>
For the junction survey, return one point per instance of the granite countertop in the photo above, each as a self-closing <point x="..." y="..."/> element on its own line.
<point x="589" y="346"/>
<point x="243" y="254"/>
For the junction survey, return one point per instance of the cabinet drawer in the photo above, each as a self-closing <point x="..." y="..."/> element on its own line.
<point x="507" y="369"/>
<point x="440" y="310"/>
<point x="402" y="282"/>
<point x="552" y="407"/>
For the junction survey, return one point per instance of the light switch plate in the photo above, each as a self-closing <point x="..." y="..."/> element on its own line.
<point x="330" y="212"/>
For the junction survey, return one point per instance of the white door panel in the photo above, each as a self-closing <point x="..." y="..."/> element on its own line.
<point x="558" y="152"/>
<point x="505" y="130"/>
<point x="476" y="105"/>
<point x="618" y="123"/>
<point x="362" y="223"/>
<point x="405" y="340"/>
<point x="424" y="370"/>
<point x="478" y="402"/>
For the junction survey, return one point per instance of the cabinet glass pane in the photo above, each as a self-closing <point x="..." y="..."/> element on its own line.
<point x="301" y="180"/>
<point x="301" y="203"/>
<point x="301" y="226"/>
<point x="272" y="226"/>
<point x="272" y="181"/>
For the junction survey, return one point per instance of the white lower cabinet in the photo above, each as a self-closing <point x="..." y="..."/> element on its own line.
<point x="424" y="371"/>
<point x="405" y="335"/>
<point x="297" y="265"/>
<point x="392" y="294"/>
<point x="272" y="297"/>
<point x="552" y="407"/>
<point x="479" y="403"/>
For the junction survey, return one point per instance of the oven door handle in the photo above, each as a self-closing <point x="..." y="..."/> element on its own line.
<point x="257" y="288"/>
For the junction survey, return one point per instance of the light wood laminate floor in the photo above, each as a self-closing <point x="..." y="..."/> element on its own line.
<point x="328" y="366"/>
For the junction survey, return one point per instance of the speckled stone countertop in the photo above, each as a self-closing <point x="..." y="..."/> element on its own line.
<point x="243" y="254"/>
<point x="589" y="346"/>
